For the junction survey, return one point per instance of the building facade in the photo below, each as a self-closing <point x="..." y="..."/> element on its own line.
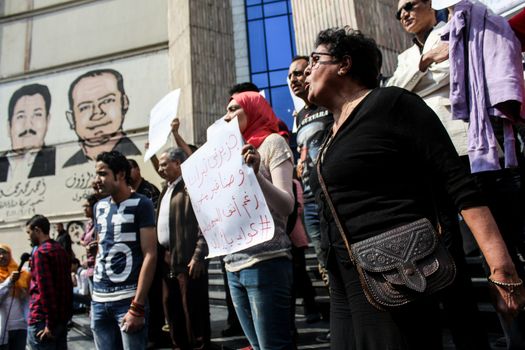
<point x="80" y="76"/>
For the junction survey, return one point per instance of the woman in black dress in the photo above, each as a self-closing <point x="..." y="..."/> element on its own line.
<point x="382" y="159"/>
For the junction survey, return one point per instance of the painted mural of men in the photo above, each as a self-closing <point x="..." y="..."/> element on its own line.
<point x="28" y="118"/>
<point x="98" y="105"/>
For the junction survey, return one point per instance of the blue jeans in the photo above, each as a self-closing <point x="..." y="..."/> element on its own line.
<point x="313" y="229"/>
<point x="106" y="319"/>
<point x="262" y="296"/>
<point x="58" y="343"/>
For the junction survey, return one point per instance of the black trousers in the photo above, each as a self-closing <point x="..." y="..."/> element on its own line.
<point x="302" y="285"/>
<point x="188" y="310"/>
<point x="460" y="308"/>
<point x="356" y="324"/>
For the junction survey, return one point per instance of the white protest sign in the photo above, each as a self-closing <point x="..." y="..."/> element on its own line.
<point x="217" y="126"/>
<point x="225" y="195"/>
<point x="160" y="120"/>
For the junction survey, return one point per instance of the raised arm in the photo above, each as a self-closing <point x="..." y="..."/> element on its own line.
<point x="178" y="139"/>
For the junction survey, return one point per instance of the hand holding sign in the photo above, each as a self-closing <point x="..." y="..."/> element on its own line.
<point x="225" y="194"/>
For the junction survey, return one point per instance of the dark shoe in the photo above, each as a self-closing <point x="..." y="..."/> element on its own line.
<point x="323" y="338"/>
<point x="313" y="317"/>
<point x="232" y="331"/>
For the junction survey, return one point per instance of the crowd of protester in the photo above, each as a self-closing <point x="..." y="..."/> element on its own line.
<point x="387" y="184"/>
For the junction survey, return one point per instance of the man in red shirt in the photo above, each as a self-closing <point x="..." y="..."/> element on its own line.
<point x="50" y="291"/>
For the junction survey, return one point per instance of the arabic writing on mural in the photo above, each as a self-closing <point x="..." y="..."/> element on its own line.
<point x="21" y="198"/>
<point x="81" y="183"/>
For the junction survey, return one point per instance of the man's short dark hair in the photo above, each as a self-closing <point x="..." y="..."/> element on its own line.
<point x="243" y="87"/>
<point x="39" y="221"/>
<point x="133" y="163"/>
<point x="29" y="90"/>
<point x="96" y="73"/>
<point x="362" y="49"/>
<point x="300" y="57"/>
<point x="176" y="153"/>
<point x="117" y="162"/>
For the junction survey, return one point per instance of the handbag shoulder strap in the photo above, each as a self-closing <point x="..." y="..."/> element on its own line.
<point x="328" y="200"/>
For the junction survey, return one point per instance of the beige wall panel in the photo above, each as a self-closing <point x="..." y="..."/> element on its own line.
<point x="145" y="80"/>
<point x="14" y="7"/>
<point x="180" y="62"/>
<point x="242" y="62"/>
<point x="97" y="29"/>
<point x="213" y="69"/>
<point x="13" y="47"/>
<point x="46" y="3"/>
<point x="377" y="20"/>
<point x="11" y="7"/>
<point x="311" y="16"/>
<point x="374" y="18"/>
<point x="201" y="61"/>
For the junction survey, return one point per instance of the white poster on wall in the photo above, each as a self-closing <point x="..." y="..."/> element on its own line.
<point x="226" y="197"/>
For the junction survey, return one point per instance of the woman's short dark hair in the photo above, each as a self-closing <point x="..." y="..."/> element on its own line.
<point x="363" y="50"/>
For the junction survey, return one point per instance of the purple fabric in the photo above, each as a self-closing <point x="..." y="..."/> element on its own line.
<point x="494" y="75"/>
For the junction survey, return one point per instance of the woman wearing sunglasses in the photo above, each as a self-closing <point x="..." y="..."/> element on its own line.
<point x="381" y="162"/>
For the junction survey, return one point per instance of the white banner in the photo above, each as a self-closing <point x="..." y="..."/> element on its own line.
<point x="160" y="120"/>
<point x="225" y="195"/>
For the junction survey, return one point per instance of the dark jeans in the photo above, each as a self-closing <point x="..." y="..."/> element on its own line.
<point x="356" y="324"/>
<point x="261" y="295"/>
<point x="231" y="319"/>
<point x="106" y="319"/>
<point x="58" y="343"/>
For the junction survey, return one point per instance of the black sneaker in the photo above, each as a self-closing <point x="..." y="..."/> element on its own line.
<point x="232" y="331"/>
<point x="313" y="317"/>
<point x="323" y="338"/>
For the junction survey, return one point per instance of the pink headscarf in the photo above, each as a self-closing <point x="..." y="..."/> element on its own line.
<point x="261" y="121"/>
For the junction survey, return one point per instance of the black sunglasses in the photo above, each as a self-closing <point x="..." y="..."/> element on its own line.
<point x="409" y="6"/>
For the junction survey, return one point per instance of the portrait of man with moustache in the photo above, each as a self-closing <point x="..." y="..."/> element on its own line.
<point x="98" y="105"/>
<point x="28" y="120"/>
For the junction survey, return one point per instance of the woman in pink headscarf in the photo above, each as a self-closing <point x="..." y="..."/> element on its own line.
<point x="260" y="277"/>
